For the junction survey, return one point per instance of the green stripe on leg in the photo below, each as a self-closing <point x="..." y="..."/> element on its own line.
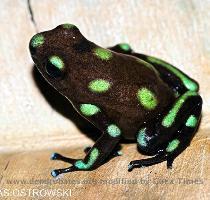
<point x="189" y="84"/>
<point x="172" y="145"/>
<point x="93" y="156"/>
<point x="168" y="120"/>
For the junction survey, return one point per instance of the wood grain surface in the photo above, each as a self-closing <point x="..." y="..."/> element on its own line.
<point x="36" y="121"/>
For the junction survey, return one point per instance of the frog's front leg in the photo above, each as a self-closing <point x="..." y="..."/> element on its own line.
<point x="171" y="134"/>
<point x="103" y="147"/>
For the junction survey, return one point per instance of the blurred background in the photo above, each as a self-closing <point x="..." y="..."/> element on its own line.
<point x="34" y="118"/>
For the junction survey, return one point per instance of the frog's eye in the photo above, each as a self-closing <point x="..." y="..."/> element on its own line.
<point x="55" y="66"/>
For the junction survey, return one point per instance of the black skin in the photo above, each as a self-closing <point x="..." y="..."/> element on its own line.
<point x="127" y="71"/>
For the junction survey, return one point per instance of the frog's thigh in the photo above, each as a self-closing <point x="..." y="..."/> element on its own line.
<point x="154" y="135"/>
<point x="168" y="137"/>
<point x="175" y="78"/>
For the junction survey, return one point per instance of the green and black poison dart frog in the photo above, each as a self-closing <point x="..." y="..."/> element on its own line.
<point x="123" y="93"/>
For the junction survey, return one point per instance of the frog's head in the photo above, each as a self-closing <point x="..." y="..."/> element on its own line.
<point x="56" y="52"/>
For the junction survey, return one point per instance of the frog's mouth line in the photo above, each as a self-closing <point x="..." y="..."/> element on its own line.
<point x="34" y="58"/>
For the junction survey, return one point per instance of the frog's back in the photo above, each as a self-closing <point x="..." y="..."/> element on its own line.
<point x="140" y="95"/>
<point x="136" y="93"/>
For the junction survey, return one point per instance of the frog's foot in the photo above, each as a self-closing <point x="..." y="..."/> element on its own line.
<point x="95" y="155"/>
<point x="75" y="162"/>
<point x="146" y="162"/>
<point x="171" y="139"/>
<point x="80" y="165"/>
<point x="57" y="156"/>
<point x="160" y="157"/>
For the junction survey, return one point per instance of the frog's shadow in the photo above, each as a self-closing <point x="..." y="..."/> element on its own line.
<point x="63" y="106"/>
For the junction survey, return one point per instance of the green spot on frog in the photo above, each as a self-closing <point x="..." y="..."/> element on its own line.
<point x="57" y="62"/>
<point x="172" y="145"/>
<point x="125" y="46"/>
<point x="93" y="156"/>
<point x="68" y="26"/>
<point x="113" y="130"/>
<point x="89" y="109"/>
<point x="168" y="120"/>
<point x="103" y="54"/>
<point x="147" y="98"/>
<point x="37" y="40"/>
<point x="191" y="121"/>
<point x="99" y="85"/>
<point x="141" y="137"/>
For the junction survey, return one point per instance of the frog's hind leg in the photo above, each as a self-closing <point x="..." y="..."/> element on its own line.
<point x="177" y="80"/>
<point x="164" y="129"/>
<point x="171" y="135"/>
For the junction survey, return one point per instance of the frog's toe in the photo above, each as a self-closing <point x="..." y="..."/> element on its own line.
<point x="54" y="173"/>
<point x="57" y="172"/>
<point x="57" y="156"/>
<point x="134" y="164"/>
<point x="119" y="153"/>
<point x="130" y="166"/>
<point x="146" y="162"/>
<point x="54" y="156"/>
